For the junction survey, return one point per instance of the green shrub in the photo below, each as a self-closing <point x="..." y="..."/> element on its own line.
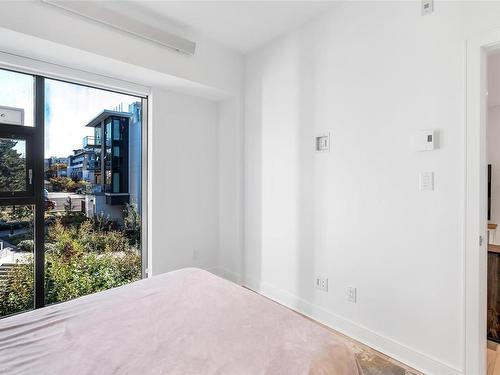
<point x="102" y="223"/>
<point x="132" y="224"/>
<point x="85" y="273"/>
<point x="25" y="245"/>
<point x="16" y="291"/>
<point x="79" y="260"/>
<point x="73" y="218"/>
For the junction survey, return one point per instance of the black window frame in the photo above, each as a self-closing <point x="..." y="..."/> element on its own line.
<point x="10" y="132"/>
<point x="35" y="197"/>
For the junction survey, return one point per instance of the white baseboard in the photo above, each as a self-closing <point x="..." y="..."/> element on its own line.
<point x="383" y="344"/>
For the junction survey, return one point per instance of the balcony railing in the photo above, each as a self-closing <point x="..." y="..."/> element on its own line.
<point x="89" y="141"/>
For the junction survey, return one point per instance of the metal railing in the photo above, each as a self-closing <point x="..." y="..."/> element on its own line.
<point x="91" y="141"/>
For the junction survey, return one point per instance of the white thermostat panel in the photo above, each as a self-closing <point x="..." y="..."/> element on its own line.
<point x="11" y="116"/>
<point x="322" y="142"/>
<point x="425" y="140"/>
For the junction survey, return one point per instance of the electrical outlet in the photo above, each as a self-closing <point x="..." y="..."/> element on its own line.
<point x="322" y="283"/>
<point x="351" y="294"/>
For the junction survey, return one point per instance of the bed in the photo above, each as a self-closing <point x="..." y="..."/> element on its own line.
<point x="183" y="322"/>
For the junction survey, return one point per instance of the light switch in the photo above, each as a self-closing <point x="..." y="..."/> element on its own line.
<point x="426" y="181"/>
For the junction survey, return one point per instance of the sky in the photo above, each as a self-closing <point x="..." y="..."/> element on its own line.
<point x="68" y="108"/>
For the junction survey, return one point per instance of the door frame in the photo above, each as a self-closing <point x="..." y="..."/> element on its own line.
<point x="475" y="223"/>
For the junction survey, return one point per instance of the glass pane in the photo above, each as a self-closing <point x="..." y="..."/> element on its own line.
<point x="16" y="98"/>
<point x="12" y="165"/>
<point x="16" y="259"/>
<point x="116" y="182"/>
<point x="116" y="130"/>
<point x="93" y="239"/>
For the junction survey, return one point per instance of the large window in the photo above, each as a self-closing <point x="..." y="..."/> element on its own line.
<point x="71" y="212"/>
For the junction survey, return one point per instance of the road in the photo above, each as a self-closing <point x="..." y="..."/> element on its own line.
<point x="60" y="199"/>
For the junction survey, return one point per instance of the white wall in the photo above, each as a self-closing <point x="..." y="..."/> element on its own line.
<point x="184" y="182"/>
<point x="371" y="73"/>
<point x="230" y="163"/>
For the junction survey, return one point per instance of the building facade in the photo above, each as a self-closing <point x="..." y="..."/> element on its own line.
<point x="110" y="161"/>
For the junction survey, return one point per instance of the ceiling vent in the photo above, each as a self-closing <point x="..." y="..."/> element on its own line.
<point x="92" y="10"/>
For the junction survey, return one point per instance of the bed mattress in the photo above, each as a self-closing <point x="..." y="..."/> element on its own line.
<point x="183" y="322"/>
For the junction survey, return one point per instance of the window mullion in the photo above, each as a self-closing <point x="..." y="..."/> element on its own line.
<point x="38" y="186"/>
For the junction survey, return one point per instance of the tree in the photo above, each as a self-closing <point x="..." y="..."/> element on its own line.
<point x="61" y="183"/>
<point x="53" y="170"/>
<point x="12" y="167"/>
<point x="132" y="224"/>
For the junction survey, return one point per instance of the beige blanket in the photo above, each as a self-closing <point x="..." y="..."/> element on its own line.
<point x="183" y="322"/>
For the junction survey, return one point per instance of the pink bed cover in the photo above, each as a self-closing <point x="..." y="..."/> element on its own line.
<point x="183" y="322"/>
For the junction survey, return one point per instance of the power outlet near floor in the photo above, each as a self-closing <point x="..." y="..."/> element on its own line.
<point x="351" y="294"/>
<point x="322" y="283"/>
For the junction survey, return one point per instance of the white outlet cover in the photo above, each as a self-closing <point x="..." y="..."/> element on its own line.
<point x="426" y="181"/>
<point x="351" y="294"/>
<point x="322" y="283"/>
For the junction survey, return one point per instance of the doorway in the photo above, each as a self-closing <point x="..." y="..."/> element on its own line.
<point x="72" y="177"/>
<point x="478" y="49"/>
<point x="493" y="211"/>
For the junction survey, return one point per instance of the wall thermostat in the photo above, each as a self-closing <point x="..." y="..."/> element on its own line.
<point x="322" y="142"/>
<point x="425" y="140"/>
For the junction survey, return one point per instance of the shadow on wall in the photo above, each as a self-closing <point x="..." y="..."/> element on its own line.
<point x="306" y="174"/>
<point x="252" y="246"/>
<point x="281" y="209"/>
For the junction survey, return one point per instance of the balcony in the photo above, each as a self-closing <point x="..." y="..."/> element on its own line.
<point x="89" y="141"/>
<point x="117" y="199"/>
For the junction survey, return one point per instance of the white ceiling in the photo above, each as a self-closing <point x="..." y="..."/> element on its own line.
<point x="239" y="25"/>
